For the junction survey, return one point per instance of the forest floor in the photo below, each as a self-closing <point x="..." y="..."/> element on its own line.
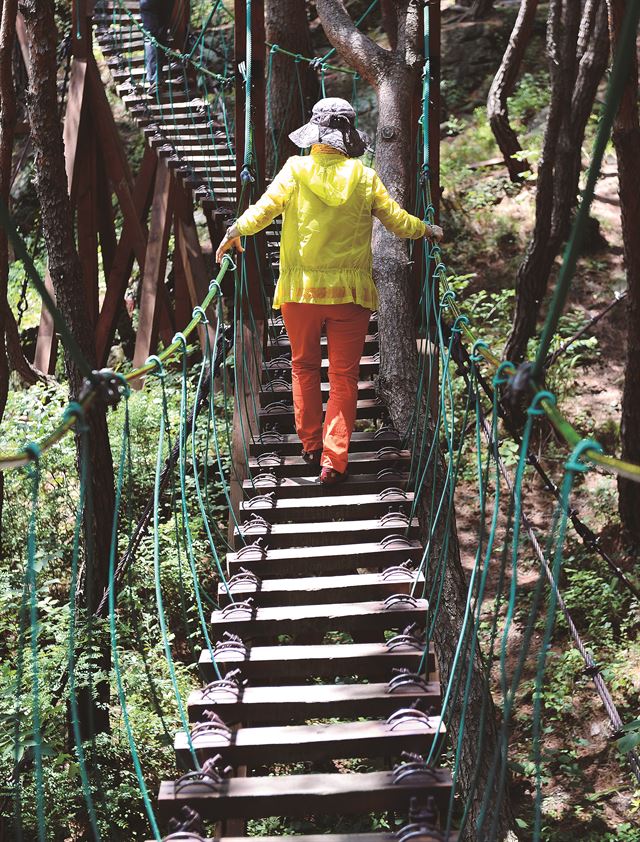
<point x="587" y="788"/>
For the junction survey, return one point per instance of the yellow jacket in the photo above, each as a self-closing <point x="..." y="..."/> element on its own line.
<point x="327" y="202"/>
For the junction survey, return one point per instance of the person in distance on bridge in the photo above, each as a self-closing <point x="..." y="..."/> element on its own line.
<point x="156" y="18"/>
<point x="328" y="200"/>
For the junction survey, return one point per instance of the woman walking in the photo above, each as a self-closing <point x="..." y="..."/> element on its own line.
<point x="328" y="200"/>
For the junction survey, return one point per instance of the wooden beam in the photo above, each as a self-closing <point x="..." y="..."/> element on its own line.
<point x="87" y="217"/>
<point x="21" y="34"/>
<point x="182" y="302"/>
<point x="115" y="159"/>
<point x="76" y="111"/>
<point x="106" y="225"/>
<point x="249" y="342"/>
<point x="120" y="273"/>
<point x="155" y="265"/>
<point x="47" y="341"/>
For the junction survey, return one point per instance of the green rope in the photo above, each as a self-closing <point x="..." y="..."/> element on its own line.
<point x="114" y="635"/>
<point x="83" y="432"/>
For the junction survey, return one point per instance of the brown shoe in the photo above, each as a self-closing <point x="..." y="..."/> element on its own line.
<point x="329" y="476"/>
<point x="312" y="457"/>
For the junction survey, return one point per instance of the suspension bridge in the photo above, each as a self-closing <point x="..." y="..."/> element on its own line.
<point x="323" y="688"/>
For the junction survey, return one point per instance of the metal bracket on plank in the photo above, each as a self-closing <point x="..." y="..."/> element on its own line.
<point x="270" y="460"/>
<point x="392" y="518"/>
<point x="400" y="572"/>
<point x="279" y="364"/>
<point x="271" y="436"/>
<point x="265" y="479"/>
<point x="408" y="716"/>
<point x="403" y="599"/>
<point x="253" y="552"/>
<point x="422" y="825"/>
<point x="242" y="577"/>
<point x="394" y="542"/>
<point x="261" y="501"/>
<point x="392" y="493"/>
<point x="388" y="452"/>
<point x="239" y="610"/>
<point x="411" y="637"/>
<point x="278" y="408"/>
<point x="414" y="768"/>
<point x="278" y="384"/>
<point x="230" y="643"/>
<point x="255" y="525"/>
<point x="231" y="685"/>
<point x="188" y="828"/>
<point x="406" y="680"/>
<point x="207" y="779"/>
<point x="212" y="725"/>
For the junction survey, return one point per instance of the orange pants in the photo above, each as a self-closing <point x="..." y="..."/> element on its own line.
<point x="346" y="328"/>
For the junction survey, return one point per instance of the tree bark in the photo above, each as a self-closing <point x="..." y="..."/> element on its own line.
<point x="503" y="85"/>
<point x="293" y="86"/>
<point x="394" y="74"/>
<point x="626" y="140"/>
<point x="577" y="48"/>
<point x="7" y="130"/>
<point x="66" y="274"/>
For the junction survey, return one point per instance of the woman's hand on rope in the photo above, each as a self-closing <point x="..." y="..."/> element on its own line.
<point x="434" y="232"/>
<point x="230" y="240"/>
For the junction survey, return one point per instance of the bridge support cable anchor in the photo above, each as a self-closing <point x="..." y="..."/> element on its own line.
<point x="188" y="828"/>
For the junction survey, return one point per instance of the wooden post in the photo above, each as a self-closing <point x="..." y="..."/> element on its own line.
<point x="155" y="265"/>
<point x="435" y="102"/>
<point x="254" y="257"/>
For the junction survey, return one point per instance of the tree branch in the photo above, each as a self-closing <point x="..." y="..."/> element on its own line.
<point x="358" y="50"/>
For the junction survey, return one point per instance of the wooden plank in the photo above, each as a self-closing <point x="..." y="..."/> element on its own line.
<point x="285" y="418"/>
<point x="294" y="663"/>
<point x="362" y="617"/>
<point x="293" y="703"/>
<point x="280" y="392"/>
<point x="289" y="444"/>
<point x="309" y="486"/>
<point x="123" y="259"/>
<point x="369" y="366"/>
<point x="303" y="795"/>
<point x="282" y="535"/>
<point x="155" y="266"/>
<point x="325" y="560"/>
<point x="359" y="463"/>
<point x="282" y="347"/>
<point x="291" y="743"/>
<point x="334" y="503"/>
<point x="313" y="590"/>
<point x="325" y="837"/>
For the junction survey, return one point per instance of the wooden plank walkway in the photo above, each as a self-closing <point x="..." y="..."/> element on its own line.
<point x="319" y="636"/>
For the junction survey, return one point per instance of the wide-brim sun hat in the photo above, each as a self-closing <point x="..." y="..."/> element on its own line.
<point x="333" y="121"/>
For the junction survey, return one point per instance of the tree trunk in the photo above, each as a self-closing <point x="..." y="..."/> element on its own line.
<point x="66" y="274"/>
<point x="577" y="49"/>
<point x="293" y="86"/>
<point x="395" y="76"/>
<point x="502" y="88"/>
<point x="626" y="140"/>
<point x="7" y="129"/>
